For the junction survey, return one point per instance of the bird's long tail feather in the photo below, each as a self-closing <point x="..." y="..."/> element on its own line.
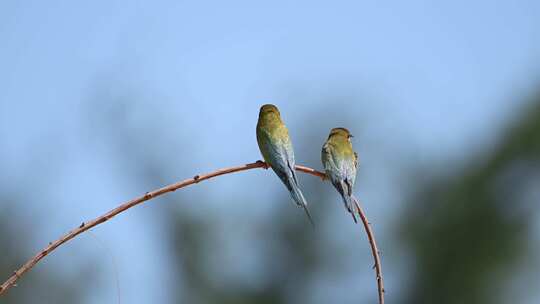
<point x="299" y="199"/>
<point x="350" y="204"/>
<point x="308" y="215"/>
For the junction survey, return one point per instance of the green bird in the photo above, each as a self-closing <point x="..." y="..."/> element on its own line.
<point x="277" y="151"/>
<point x="340" y="163"/>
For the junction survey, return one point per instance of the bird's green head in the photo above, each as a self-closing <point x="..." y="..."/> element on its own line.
<point x="340" y="132"/>
<point x="269" y="108"/>
<point x="269" y="111"/>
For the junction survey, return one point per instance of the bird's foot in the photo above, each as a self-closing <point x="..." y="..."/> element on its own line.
<point x="263" y="164"/>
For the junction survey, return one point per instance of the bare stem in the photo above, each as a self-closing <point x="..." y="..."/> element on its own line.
<point x="374" y="251"/>
<point x="172" y="187"/>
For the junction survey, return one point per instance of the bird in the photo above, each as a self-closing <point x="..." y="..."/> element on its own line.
<point x="277" y="150"/>
<point x="340" y="163"/>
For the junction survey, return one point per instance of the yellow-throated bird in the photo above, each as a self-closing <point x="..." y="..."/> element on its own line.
<point x="277" y="150"/>
<point x="340" y="163"/>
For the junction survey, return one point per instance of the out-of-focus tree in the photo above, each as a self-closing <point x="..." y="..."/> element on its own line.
<point x="468" y="231"/>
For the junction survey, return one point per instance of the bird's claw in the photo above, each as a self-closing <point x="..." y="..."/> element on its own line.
<point x="264" y="165"/>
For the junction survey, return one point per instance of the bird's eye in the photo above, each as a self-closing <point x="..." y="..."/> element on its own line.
<point x="350" y="136"/>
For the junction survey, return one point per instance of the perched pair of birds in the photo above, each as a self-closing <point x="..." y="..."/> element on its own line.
<point x="338" y="158"/>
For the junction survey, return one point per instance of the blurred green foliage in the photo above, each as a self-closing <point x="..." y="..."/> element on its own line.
<point x="468" y="231"/>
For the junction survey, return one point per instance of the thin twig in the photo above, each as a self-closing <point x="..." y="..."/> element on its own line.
<point x="374" y="251"/>
<point x="150" y="195"/>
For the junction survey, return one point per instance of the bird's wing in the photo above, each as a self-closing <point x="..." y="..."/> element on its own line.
<point x="326" y="157"/>
<point x="332" y="163"/>
<point x="273" y="152"/>
<point x="288" y="152"/>
<point x="342" y="168"/>
<point x="350" y="168"/>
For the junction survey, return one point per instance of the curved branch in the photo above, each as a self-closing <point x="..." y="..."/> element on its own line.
<point x="374" y="251"/>
<point x="172" y="187"/>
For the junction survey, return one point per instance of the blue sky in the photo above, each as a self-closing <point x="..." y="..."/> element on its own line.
<point x="412" y="73"/>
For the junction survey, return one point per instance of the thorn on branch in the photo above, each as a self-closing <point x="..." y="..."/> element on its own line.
<point x="147" y="195"/>
<point x="82" y="225"/>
